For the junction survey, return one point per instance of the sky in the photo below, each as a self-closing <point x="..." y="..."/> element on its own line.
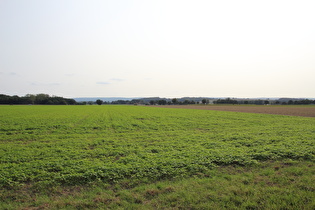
<point x="165" y="48"/>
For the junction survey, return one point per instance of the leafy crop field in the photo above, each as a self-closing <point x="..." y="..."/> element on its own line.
<point x="64" y="147"/>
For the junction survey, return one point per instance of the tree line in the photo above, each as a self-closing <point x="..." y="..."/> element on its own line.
<point x="265" y="102"/>
<point x="41" y="98"/>
<point x="176" y="101"/>
<point x="173" y="101"/>
<point x="301" y="102"/>
<point x="46" y="99"/>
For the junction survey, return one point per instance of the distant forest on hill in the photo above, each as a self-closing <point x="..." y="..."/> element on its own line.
<point x="36" y="99"/>
<point x="45" y="99"/>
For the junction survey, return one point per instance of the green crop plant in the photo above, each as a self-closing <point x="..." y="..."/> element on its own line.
<point x="80" y="144"/>
<point x="128" y="156"/>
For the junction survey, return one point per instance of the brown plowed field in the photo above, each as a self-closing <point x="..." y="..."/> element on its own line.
<point x="304" y="111"/>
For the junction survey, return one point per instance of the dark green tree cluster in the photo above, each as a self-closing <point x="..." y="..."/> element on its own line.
<point x="160" y="102"/>
<point x="99" y="102"/>
<point x="36" y="99"/>
<point x="122" y="102"/>
<point x="174" y="101"/>
<point x="255" y="102"/>
<point x="301" y="102"/>
<point x="226" y="101"/>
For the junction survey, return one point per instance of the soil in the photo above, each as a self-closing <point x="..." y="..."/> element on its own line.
<point x="303" y="111"/>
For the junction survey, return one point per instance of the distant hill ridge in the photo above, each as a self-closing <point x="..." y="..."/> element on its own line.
<point x="109" y="99"/>
<point x="147" y="99"/>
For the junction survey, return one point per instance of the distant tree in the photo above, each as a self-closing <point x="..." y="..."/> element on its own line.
<point x="122" y="102"/>
<point x="99" y="102"/>
<point x="71" y="101"/>
<point x="174" y="101"/>
<point x="258" y="102"/>
<point x="226" y="101"/>
<point x="266" y="102"/>
<point x="36" y="99"/>
<point x="136" y="101"/>
<point x="204" y="101"/>
<point x="152" y="102"/>
<point x="162" y="102"/>
<point x="15" y="100"/>
<point x="42" y="98"/>
<point x="306" y="101"/>
<point x="4" y="99"/>
<point x="31" y="98"/>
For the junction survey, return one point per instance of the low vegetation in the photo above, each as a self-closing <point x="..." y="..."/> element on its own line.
<point x="136" y="156"/>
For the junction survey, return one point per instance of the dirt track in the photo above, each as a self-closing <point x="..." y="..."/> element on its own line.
<point x="303" y="111"/>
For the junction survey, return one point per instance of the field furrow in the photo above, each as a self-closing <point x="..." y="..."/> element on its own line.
<point x="80" y="144"/>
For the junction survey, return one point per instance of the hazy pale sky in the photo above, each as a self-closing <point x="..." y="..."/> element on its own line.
<point x="166" y="48"/>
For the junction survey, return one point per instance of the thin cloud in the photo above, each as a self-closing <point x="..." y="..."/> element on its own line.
<point x="9" y="74"/>
<point x="117" y="79"/>
<point x="112" y="79"/>
<point x="103" y="83"/>
<point x="45" y="84"/>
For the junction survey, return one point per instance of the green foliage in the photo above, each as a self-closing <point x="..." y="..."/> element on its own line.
<point x="36" y="99"/>
<point x="285" y="184"/>
<point x="99" y="102"/>
<point x="78" y="145"/>
<point x="226" y="101"/>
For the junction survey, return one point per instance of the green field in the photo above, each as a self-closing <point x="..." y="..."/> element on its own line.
<point x="144" y="157"/>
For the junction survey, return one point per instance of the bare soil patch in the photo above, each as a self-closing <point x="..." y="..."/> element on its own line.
<point x="304" y="111"/>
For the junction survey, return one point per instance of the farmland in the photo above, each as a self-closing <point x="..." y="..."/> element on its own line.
<point x="293" y="110"/>
<point x="122" y="156"/>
